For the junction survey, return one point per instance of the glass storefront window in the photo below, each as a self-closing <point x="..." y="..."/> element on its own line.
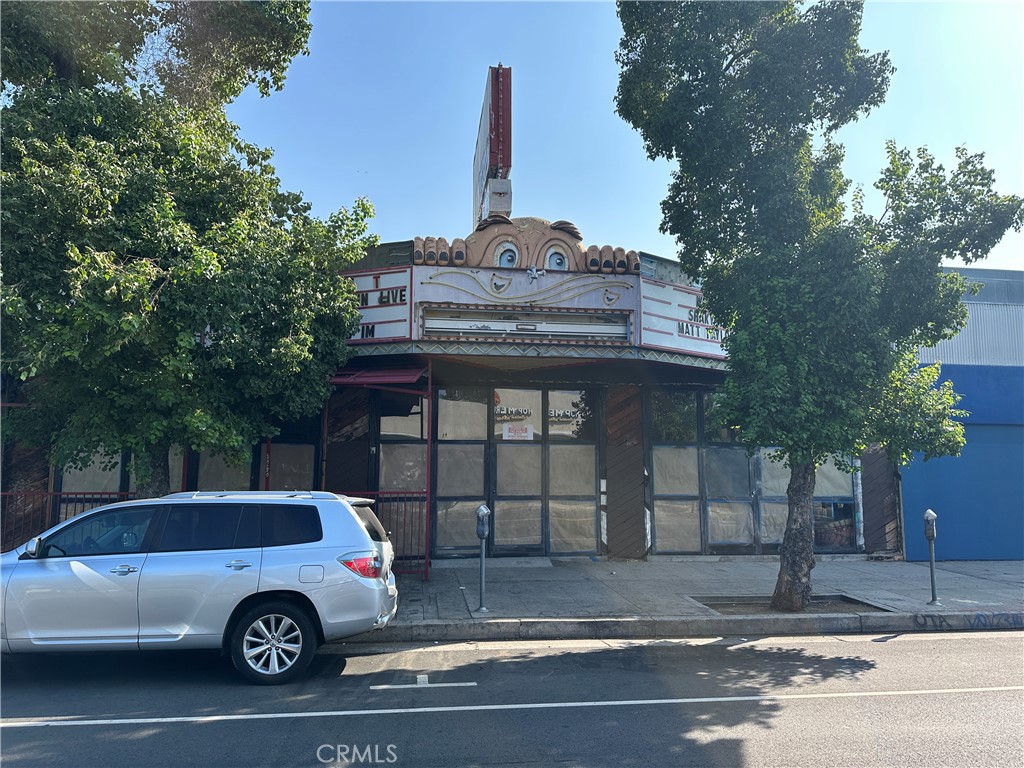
<point x="460" y="470"/>
<point x="290" y="467"/>
<point x="516" y="523"/>
<point x="95" y="478"/>
<point x="675" y="471"/>
<point x="673" y="417"/>
<point x="774" y="476"/>
<point x="175" y="463"/>
<point x="403" y="466"/>
<point x="834" y="526"/>
<point x="462" y="413"/>
<point x="519" y="470"/>
<point x="215" y="474"/>
<point x="572" y="415"/>
<point x="677" y="525"/>
<point x="401" y="415"/>
<point x="456" y="524"/>
<point x="517" y="415"/>
<point x="572" y="470"/>
<point x="715" y="429"/>
<point x="571" y="526"/>
<point x="728" y="473"/>
<point x="829" y="480"/>
<point x="730" y="523"/>
<point x="773" y="522"/>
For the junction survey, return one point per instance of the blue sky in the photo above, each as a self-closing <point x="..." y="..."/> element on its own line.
<point x="388" y="101"/>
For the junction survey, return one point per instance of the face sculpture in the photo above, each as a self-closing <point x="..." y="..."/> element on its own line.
<point x="523" y="244"/>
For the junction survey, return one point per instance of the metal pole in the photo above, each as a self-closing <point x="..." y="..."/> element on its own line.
<point x="931" y="570"/>
<point x="483" y="530"/>
<point x="483" y="554"/>
<point x="929" y="532"/>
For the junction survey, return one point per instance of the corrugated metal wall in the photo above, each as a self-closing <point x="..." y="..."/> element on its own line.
<point x="978" y="496"/>
<point x="994" y="336"/>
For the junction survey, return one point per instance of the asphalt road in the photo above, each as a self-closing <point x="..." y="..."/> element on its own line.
<point x="911" y="700"/>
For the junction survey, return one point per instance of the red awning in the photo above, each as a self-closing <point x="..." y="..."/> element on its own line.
<point x="378" y="377"/>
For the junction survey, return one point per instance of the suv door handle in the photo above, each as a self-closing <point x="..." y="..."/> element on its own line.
<point x="124" y="570"/>
<point x="238" y="565"/>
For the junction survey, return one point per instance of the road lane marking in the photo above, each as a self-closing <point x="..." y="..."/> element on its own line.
<point x="421" y="682"/>
<point x="40" y="722"/>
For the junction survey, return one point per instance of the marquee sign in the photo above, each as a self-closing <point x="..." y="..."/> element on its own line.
<point x="671" y="320"/>
<point x="385" y="303"/>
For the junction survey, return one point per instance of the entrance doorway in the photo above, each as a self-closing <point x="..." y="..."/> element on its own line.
<point x="531" y="455"/>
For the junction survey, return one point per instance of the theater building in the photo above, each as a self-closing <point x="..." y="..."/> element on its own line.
<point x="570" y="387"/>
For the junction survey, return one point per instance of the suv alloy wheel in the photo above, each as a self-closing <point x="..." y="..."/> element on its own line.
<point x="273" y="643"/>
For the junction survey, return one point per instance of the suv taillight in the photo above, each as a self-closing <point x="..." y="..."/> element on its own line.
<point x="363" y="564"/>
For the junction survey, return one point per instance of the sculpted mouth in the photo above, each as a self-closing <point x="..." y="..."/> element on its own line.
<point x="498" y="285"/>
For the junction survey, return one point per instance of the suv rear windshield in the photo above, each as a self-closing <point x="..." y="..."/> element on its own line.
<point x="370" y="523"/>
<point x="285" y="524"/>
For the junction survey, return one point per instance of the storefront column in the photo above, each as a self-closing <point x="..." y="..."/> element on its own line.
<point x="624" y="461"/>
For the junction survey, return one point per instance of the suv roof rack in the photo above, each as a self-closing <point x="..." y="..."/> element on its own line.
<point x="277" y="494"/>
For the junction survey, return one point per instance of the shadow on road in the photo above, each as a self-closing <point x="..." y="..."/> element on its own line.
<point x="704" y="733"/>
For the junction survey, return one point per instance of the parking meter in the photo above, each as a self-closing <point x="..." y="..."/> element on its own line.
<point x="929" y="533"/>
<point x="483" y="530"/>
<point x="483" y="525"/>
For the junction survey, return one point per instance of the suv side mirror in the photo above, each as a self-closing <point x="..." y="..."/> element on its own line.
<point x="33" y="546"/>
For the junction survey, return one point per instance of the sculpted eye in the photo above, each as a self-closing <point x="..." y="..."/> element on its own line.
<point x="556" y="260"/>
<point x="506" y="255"/>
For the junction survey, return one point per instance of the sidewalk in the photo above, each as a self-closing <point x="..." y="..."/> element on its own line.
<point x="538" y="598"/>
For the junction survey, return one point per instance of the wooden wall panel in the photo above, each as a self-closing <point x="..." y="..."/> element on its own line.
<point x="624" y="463"/>
<point x="348" y="442"/>
<point x="880" y="483"/>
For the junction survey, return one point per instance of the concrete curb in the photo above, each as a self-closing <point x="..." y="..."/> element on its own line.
<point x="641" y="627"/>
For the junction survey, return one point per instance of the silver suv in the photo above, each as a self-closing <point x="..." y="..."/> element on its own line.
<point x="265" y="576"/>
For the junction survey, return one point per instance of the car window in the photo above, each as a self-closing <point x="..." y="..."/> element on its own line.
<point x="114" y="532"/>
<point x="370" y="523"/>
<point x="290" y="524"/>
<point x="248" y="534"/>
<point x="194" y="526"/>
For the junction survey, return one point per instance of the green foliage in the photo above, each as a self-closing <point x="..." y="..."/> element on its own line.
<point x="79" y="43"/>
<point x="731" y="91"/>
<point x="158" y="287"/>
<point x="807" y="357"/>
<point x="200" y="53"/>
<point x="216" y="49"/>
<point x="914" y="413"/>
<point x="823" y="312"/>
<point x="673" y="417"/>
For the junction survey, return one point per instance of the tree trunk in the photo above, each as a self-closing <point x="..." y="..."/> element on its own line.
<point x="152" y="477"/>
<point x="793" y="588"/>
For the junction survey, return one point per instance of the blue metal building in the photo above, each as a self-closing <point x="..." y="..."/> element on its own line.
<point x="978" y="496"/>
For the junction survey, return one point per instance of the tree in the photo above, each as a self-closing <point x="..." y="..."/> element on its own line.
<point x="823" y="311"/>
<point x="200" y="53"/>
<point x="158" y="286"/>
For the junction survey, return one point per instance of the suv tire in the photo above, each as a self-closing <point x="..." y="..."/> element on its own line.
<point x="273" y="643"/>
